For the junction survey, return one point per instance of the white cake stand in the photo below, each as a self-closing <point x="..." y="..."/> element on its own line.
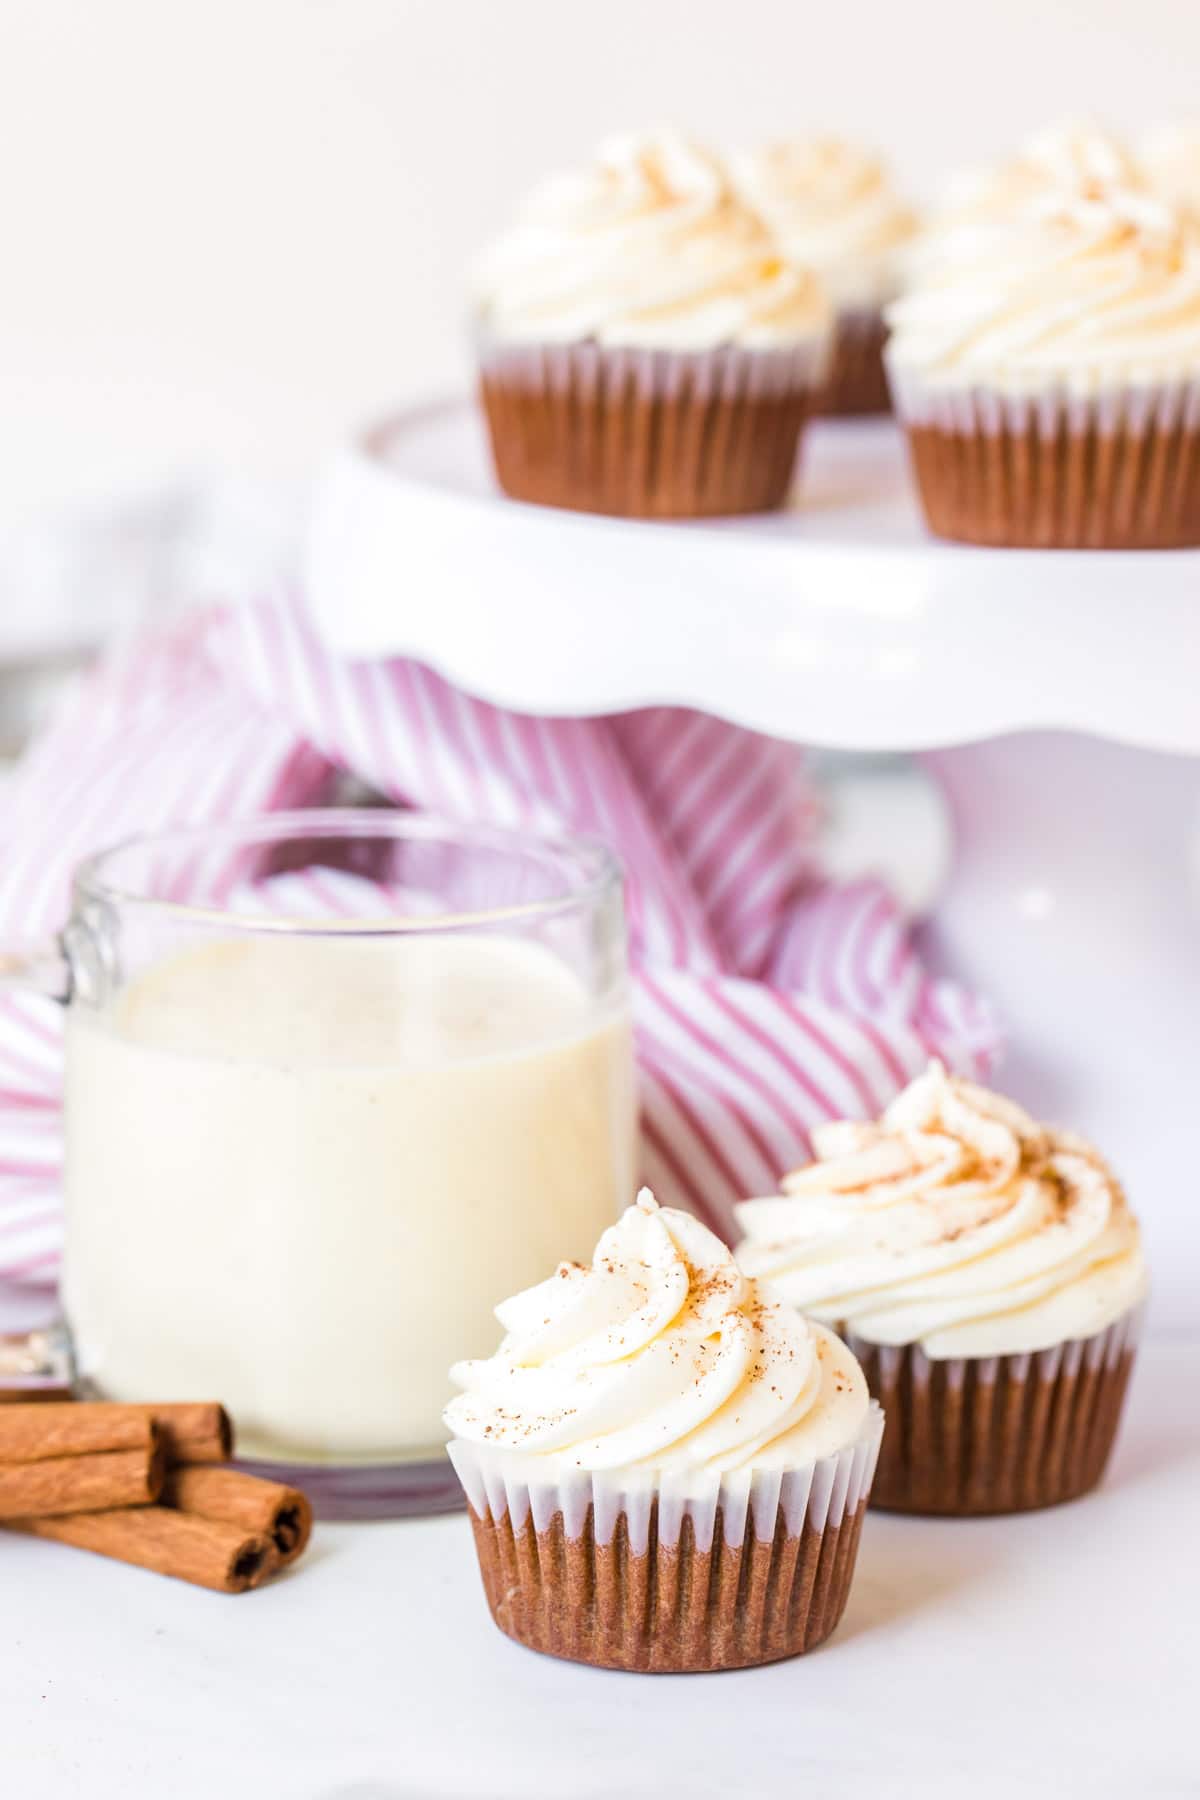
<point x="840" y="623"/>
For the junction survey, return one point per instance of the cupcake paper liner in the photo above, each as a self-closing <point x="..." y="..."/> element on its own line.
<point x="856" y="383"/>
<point x="1117" y="471"/>
<point x="648" y="434"/>
<point x="669" y="1574"/>
<point x="996" y="1434"/>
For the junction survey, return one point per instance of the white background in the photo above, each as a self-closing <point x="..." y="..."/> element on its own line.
<point x="231" y="228"/>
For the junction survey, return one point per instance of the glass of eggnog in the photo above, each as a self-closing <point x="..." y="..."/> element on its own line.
<point x="334" y="1082"/>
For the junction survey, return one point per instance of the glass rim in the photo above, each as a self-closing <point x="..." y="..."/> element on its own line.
<point x="600" y="869"/>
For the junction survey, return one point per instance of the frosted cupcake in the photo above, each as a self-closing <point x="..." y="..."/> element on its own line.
<point x="1047" y="372"/>
<point x="834" y="209"/>
<point x="989" y="1275"/>
<point x="645" y="348"/>
<point x="665" y="1470"/>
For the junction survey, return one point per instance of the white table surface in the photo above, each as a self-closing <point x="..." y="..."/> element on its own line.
<point x="1050" y="1655"/>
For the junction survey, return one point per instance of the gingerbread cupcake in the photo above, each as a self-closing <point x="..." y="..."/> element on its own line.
<point x="644" y="346"/>
<point x="989" y="1275"/>
<point x="1046" y="369"/>
<point x="834" y="209"/>
<point x="666" y="1471"/>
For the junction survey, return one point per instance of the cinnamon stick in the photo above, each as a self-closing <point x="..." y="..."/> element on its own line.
<point x="266" y="1508"/>
<point x="33" y="1393"/>
<point x="78" y="1484"/>
<point x="36" y="1431"/>
<point x="203" y="1551"/>
<point x="194" y="1431"/>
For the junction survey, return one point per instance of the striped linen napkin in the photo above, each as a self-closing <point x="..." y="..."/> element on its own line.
<point x="765" y="1000"/>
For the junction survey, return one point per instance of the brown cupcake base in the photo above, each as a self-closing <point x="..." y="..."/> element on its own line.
<point x="856" y="383"/>
<point x="995" y="1434"/>
<point x="647" y="434"/>
<point x="1058" y="473"/>
<point x="673" y="1609"/>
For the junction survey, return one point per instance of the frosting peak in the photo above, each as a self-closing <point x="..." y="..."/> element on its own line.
<point x="955" y="1222"/>
<point x="1171" y="158"/>
<point x="1077" y="152"/>
<point x="1076" y="156"/>
<point x="649" y="247"/>
<point x="833" y="209"/>
<point x="662" y="1354"/>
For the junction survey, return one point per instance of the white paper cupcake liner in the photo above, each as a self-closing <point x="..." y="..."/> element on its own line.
<point x="501" y="1483"/>
<point x="1166" y="404"/>
<point x="624" y="1570"/>
<point x="1117" y="468"/>
<point x="658" y="374"/>
<point x="648" y="433"/>
<point x="994" y="1434"/>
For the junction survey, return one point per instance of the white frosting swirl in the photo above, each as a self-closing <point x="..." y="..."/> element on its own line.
<point x="1084" y="291"/>
<point x="1074" y="156"/>
<point x="649" y="248"/>
<point x="662" y="1356"/>
<point x="955" y="1223"/>
<point x="1170" y="156"/>
<point x="833" y="209"/>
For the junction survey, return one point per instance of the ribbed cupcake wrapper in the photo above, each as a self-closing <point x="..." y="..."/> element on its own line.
<point x="996" y="1434"/>
<point x="666" y="1578"/>
<point x="1117" y="471"/>
<point x="648" y="434"/>
<point x="856" y="384"/>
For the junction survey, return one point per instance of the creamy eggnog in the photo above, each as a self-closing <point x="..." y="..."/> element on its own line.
<point x="301" y="1170"/>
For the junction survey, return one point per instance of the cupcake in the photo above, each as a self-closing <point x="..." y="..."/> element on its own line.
<point x="989" y="1275"/>
<point x="834" y="210"/>
<point x="645" y="349"/>
<point x="666" y="1471"/>
<point x="1046" y="369"/>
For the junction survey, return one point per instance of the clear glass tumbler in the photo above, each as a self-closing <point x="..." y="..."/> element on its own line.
<point x="336" y="1084"/>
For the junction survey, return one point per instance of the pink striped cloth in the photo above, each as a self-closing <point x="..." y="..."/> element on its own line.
<point x="765" y="1001"/>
